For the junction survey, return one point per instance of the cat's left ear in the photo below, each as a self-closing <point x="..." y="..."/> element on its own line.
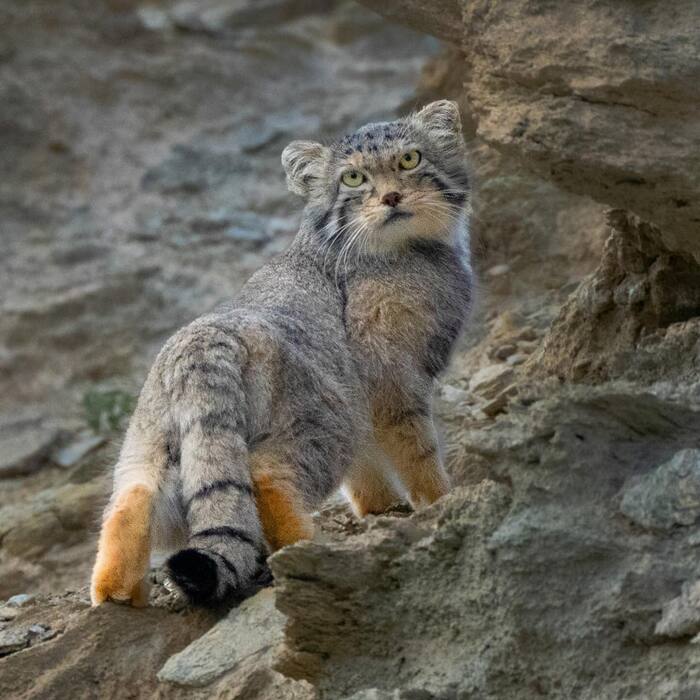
<point x="440" y="118"/>
<point x="304" y="162"/>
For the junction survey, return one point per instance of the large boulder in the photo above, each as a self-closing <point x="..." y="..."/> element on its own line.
<point x="601" y="98"/>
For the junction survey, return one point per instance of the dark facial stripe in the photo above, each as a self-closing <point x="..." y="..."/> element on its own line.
<point x="343" y="216"/>
<point x="221" y="485"/>
<point x="227" y="531"/>
<point x="452" y="197"/>
<point x="321" y="222"/>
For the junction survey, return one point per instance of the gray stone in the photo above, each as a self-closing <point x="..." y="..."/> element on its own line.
<point x="680" y="617"/>
<point x="667" y="497"/>
<point x="71" y="453"/>
<point x="20" y="600"/>
<point x="491" y="381"/>
<point x="503" y="352"/>
<point x="7" y="613"/>
<point x="250" y="629"/>
<point x="25" y="445"/>
<point x="13" y="640"/>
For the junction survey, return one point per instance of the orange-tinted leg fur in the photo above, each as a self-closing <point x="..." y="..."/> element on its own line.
<point x="280" y="506"/>
<point x="124" y="549"/>
<point x="369" y="489"/>
<point x="413" y="449"/>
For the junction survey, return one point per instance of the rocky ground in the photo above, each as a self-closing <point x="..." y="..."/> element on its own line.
<point x="141" y="184"/>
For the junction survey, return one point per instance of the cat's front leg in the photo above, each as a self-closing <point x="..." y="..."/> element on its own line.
<point x="410" y="439"/>
<point x="368" y="486"/>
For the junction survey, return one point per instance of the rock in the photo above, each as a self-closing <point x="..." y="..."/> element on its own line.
<point x="217" y="16"/>
<point x="529" y="97"/>
<point x="667" y="497"/>
<point x="503" y="352"/>
<point x="498" y="403"/>
<point x="491" y="380"/>
<point x="25" y="445"/>
<point x="355" y="611"/>
<point x="251" y="629"/>
<point x="498" y="270"/>
<point x="84" y="657"/>
<point x="153" y="19"/>
<point x="619" y="309"/>
<point x="69" y="454"/>
<point x="13" y="640"/>
<point x="57" y="515"/>
<point x="524" y="335"/>
<point x="466" y="576"/>
<point x="20" y="600"/>
<point x="453" y="394"/>
<point x="681" y="616"/>
<point x="516" y="359"/>
<point x="442" y="19"/>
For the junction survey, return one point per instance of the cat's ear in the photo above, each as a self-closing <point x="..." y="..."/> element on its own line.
<point x="440" y="118"/>
<point x="304" y="162"/>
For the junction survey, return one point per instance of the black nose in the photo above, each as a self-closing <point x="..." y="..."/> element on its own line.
<point x="391" y="199"/>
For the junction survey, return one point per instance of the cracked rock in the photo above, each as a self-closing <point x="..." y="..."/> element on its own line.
<point x="253" y="628"/>
<point x="667" y="497"/>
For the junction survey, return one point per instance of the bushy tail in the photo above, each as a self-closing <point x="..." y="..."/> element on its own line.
<point x="226" y="550"/>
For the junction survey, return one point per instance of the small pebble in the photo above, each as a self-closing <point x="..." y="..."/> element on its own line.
<point x="498" y="270"/>
<point x="20" y="600"/>
<point x="504" y="351"/>
<point x="7" y="613"/>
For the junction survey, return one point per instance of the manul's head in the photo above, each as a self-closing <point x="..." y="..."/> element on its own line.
<point x="387" y="183"/>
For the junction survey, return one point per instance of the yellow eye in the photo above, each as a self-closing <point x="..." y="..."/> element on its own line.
<point x="410" y="160"/>
<point x="353" y="178"/>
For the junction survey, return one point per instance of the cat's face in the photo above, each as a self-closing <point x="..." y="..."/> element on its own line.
<point x="387" y="183"/>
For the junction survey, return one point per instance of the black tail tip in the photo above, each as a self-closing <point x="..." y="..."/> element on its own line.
<point x="195" y="574"/>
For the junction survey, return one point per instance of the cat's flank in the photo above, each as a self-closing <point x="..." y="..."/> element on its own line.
<point x="319" y="374"/>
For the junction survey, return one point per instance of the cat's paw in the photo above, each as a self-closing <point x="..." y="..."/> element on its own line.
<point x="107" y="584"/>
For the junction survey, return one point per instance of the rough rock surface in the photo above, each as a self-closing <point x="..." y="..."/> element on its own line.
<point x="600" y="98"/>
<point x="141" y="184"/>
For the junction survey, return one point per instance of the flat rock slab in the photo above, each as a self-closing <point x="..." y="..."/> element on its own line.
<point x="252" y="628"/>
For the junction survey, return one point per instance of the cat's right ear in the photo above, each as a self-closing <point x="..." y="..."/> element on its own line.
<point x="304" y="162"/>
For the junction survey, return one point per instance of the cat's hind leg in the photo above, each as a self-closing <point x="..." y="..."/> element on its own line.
<point x="283" y="512"/>
<point x="124" y="548"/>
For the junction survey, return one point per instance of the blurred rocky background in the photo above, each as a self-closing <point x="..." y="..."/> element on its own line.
<point x="139" y="155"/>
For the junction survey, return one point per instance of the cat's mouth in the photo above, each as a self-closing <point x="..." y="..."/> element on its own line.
<point x="396" y="215"/>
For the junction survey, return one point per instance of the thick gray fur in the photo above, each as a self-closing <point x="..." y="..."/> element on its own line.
<point x="290" y="368"/>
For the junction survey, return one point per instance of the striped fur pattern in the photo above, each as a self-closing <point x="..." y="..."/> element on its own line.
<point x="320" y="373"/>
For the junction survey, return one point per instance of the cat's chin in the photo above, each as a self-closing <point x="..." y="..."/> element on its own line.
<point x="394" y="233"/>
